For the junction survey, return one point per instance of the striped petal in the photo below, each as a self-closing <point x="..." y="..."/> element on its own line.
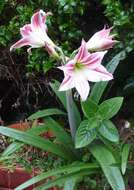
<point x="67" y="83"/>
<point x="101" y="40"/>
<point x="82" y="87"/>
<point x="26" y="30"/>
<point x="22" y="42"/>
<point x="94" y="59"/>
<point x="68" y="68"/>
<point x="38" y="20"/>
<point x="108" y="43"/>
<point x="105" y="32"/>
<point x="98" y="74"/>
<point x="82" y="52"/>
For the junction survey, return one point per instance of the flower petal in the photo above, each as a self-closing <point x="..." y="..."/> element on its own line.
<point x="82" y="87"/>
<point x="98" y="74"/>
<point x="67" y="83"/>
<point x="107" y="75"/>
<point x="101" y="40"/>
<point x="38" y="19"/>
<point x="82" y="52"/>
<point x="22" y="42"/>
<point x="104" y="32"/>
<point x="68" y="68"/>
<point x="107" y="44"/>
<point x="51" y="50"/>
<point x="94" y="59"/>
<point x="26" y="30"/>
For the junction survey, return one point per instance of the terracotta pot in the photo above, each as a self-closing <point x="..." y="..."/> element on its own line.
<point x="24" y="126"/>
<point x="21" y="126"/>
<point x="10" y="180"/>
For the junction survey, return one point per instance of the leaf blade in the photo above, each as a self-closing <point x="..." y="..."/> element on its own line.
<point x="68" y="169"/>
<point x="45" y="113"/>
<point x="89" y="108"/>
<point x="106" y="160"/>
<point x="58" y="130"/>
<point x="110" y="107"/>
<point x="109" y="131"/>
<point x="124" y="157"/>
<point x="86" y="133"/>
<point x="60" y="94"/>
<point x="34" y="141"/>
<point x="63" y="179"/>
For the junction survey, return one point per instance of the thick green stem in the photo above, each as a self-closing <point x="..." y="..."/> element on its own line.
<point x="71" y="115"/>
<point x="69" y="99"/>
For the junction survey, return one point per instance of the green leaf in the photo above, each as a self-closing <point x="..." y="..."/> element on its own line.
<point x="106" y="161"/>
<point x="61" y="135"/>
<point x="70" y="184"/>
<point x="62" y="98"/>
<point x="110" y="107"/>
<point x="35" y="141"/>
<point x="124" y="157"/>
<point x="58" y="130"/>
<point x="37" y="130"/>
<point x="63" y="179"/>
<point x="108" y="130"/>
<point x="60" y="94"/>
<point x="64" y="169"/>
<point x="11" y="149"/>
<point x="89" y="108"/>
<point x="46" y="112"/>
<point x="99" y="87"/>
<point x="86" y="133"/>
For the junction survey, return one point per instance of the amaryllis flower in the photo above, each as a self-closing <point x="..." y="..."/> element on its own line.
<point x="101" y="40"/>
<point x="35" y="34"/>
<point x="82" y="68"/>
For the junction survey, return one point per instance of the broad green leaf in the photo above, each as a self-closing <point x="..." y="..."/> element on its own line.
<point x="89" y="108"/>
<point x="86" y="133"/>
<point x="110" y="107"/>
<point x="36" y="141"/>
<point x="63" y="179"/>
<point x="108" y="130"/>
<point x="124" y="157"/>
<point x="108" y="165"/>
<point x="62" y="98"/>
<point x="64" y="169"/>
<point x="46" y="112"/>
<point x="99" y="87"/>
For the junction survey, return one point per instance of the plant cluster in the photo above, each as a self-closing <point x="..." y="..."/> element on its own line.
<point x="93" y="141"/>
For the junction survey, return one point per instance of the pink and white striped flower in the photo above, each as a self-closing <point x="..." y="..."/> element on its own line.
<point x="101" y="40"/>
<point x="35" y="34"/>
<point x="82" y="68"/>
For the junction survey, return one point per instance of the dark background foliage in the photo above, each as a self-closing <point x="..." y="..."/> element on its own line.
<point x="24" y="79"/>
